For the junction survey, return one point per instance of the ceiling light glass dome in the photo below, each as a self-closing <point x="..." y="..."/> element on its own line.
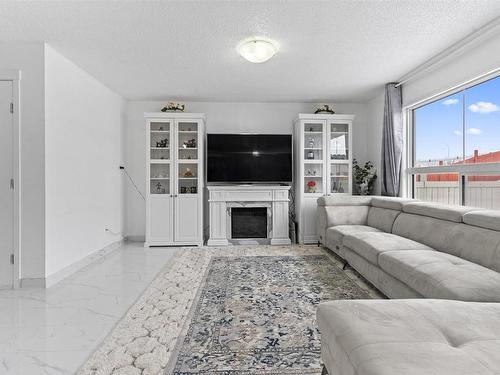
<point x="257" y="50"/>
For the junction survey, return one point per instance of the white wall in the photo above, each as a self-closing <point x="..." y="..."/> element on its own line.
<point x="221" y="118"/>
<point x="29" y="58"/>
<point x="83" y="143"/>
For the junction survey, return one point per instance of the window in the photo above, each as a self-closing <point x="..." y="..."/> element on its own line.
<point x="456" y="147"/>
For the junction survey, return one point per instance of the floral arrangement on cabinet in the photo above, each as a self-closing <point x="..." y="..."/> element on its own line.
<point x="364" y="177"/>
<point x="311" y="186"/>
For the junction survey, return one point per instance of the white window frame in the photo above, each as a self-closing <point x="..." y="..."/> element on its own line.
<point x="462" y="170"/>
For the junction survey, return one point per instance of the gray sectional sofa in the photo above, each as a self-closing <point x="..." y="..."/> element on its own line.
<point x="412" y="250"/>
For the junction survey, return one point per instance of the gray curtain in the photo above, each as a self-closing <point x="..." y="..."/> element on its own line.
<point x="392" y="141"/>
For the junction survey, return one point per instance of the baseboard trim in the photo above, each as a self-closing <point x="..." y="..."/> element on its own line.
<point x="135" y="238"/>
<point x="72" y="268"/>
<point x="32" y="283"/>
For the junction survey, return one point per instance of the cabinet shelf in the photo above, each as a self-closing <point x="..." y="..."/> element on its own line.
<point x="159" y="161"/>
<point x="188" y="178"/>
<point x="160" y="148"/>
<point x="160" y="131"/>
<point x="187" y="131"/>
<point x="313" y="161"/>
<point x="159" y="178"/>
<point x="313" y="176"/>
<point x="339" y="161"/>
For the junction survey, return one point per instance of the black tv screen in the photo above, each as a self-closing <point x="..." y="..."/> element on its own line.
<point x="249" y="158"/>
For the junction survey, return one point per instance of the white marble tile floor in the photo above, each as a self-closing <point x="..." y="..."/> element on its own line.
<point x="53" y="331"/>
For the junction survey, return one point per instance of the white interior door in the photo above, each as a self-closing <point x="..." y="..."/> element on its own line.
<point x="6" y="192"/>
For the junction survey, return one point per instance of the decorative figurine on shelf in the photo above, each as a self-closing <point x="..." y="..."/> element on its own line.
<point x="160" y="128"/>
<point x="162" y="143"/>
<point x="311" y="142"/>
<point x="310" y="155"/>
<point x="311" y="185"/>
<point x="190" y="143"/>
<point x="193" y="190"/>
<point x="325" y="108"/>
<point x="183" y="190"/>
<point x="341" y="188"/>
<point x="160" y="189"/>
<point x="311" y="129"/>
<point x="173" y="107"/>
<point x="334" y="187"/>
<point x="188" y="173"/>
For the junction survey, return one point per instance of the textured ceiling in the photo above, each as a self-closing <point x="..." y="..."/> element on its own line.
<point x="185" y="50"/>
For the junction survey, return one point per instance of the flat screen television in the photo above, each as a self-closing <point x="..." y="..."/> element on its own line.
<point x="249" y="158"/>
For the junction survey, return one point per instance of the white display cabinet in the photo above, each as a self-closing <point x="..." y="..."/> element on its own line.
<point x="174" y="173"/>
<point x="323" y="165"/>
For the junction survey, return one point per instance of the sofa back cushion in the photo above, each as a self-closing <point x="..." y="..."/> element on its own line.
<point x="392" y="203"/>
<point x="477" y="245"/>
<point x="382" y="218"/>
<point x="346" y="215"/>
<point x="489" y="219"/>
<point x="437" y="210"/>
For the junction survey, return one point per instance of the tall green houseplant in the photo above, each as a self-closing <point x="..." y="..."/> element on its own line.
<point x="364" y="177"/>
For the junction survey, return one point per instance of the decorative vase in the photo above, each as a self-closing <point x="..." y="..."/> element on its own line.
<point x="312" y="189"/>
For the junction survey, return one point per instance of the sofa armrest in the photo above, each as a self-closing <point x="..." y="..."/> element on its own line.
<point x="346" y="210"/>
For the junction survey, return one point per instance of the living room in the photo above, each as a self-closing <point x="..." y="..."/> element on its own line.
<point x="250" y="187"/>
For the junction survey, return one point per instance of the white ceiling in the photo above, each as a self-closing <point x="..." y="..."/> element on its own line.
<point x="335" y="51"/>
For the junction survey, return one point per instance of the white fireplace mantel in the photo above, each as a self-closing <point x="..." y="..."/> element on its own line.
<point x="223" y="198"/>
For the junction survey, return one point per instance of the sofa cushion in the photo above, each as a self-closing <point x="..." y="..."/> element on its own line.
<point x="437" y="210"/>
<point x="439" y="275"/>
<point x="382" y="218"/>
<point x="370" y="245"/>
<point x="335" y="235"/>
<point x="388" y="285"/>
<point x="478" y="245"/>
<point x="411" y="337"/>
<point x="346" y="215"/>
<point x="391" y="203"/>
<point x="489" y="219"/>
<point x="344" y="200"/>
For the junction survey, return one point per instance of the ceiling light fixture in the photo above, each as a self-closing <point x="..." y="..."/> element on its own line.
<point x="257" y="50"/>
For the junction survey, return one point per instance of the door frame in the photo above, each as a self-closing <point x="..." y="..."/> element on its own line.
<point x="15" y="77"/>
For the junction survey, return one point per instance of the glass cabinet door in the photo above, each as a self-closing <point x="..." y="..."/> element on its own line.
<point x="188" y="178"/>
<point x="313" y="156"/>
<point x="338" y="158"/>
<point x="338" y="146"/>
<point x="188" y="157"/>
<point x="187" y="142"/>
<point x="159" y="178"/>
<point x="160" y="140"/>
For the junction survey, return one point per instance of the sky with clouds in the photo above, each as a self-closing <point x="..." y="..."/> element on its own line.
<point x="440" y="126"/>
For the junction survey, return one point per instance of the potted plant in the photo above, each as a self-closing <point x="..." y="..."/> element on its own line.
<point x="364" y="177"/>
<point x="311" y="186"/>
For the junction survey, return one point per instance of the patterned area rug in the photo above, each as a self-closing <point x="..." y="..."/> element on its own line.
<point x="234" y="310"/>
<point x="257" y="315"/>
